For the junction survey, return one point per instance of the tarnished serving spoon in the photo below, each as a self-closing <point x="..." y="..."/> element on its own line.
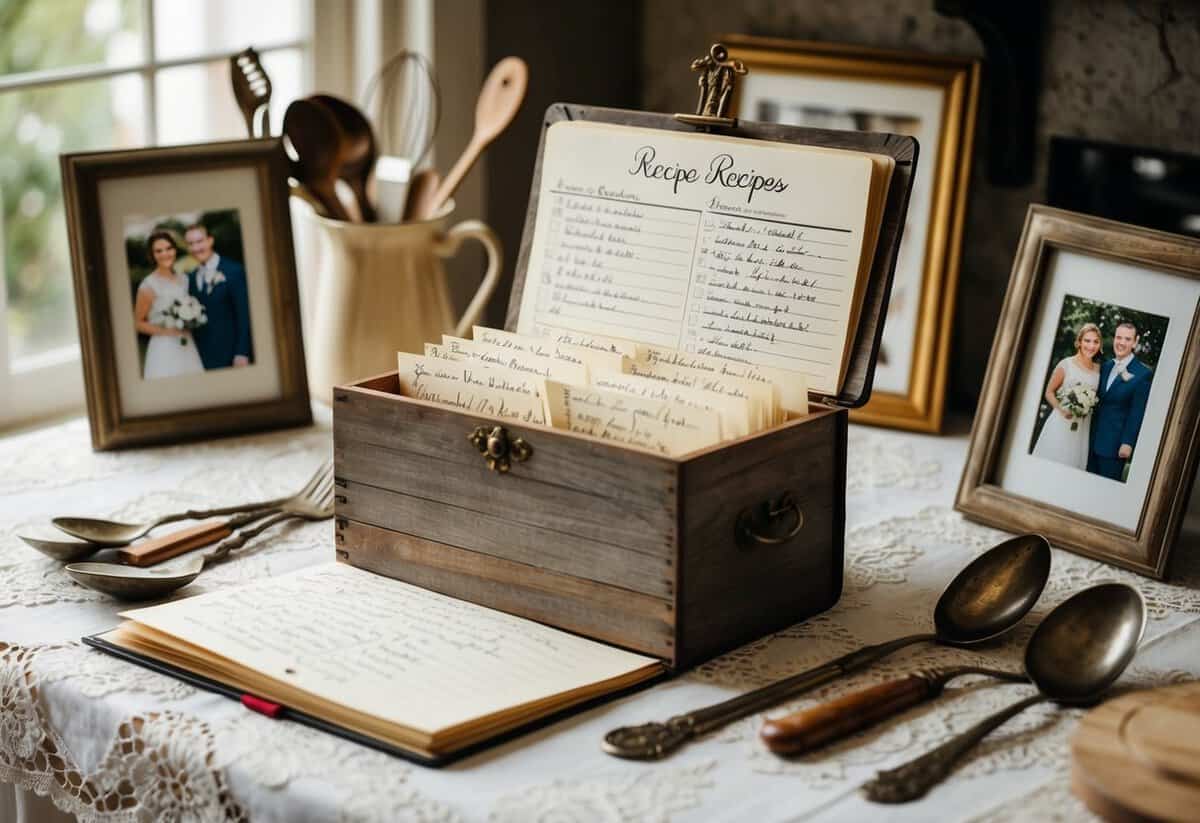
<point x="986" y="599"/>
<point x="63" y="551"/>
<point x="1073" y="656"/>
<point x="138" y="583"/>
<point x="152" y="551"/>
<point x="107" y="533"/>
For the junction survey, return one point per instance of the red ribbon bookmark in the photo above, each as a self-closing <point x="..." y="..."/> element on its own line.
<point x="257" y="704"/>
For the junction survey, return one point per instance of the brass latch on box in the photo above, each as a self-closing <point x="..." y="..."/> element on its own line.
<point x="497" y="449"/>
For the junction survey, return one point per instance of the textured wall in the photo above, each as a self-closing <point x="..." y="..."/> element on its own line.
<point x="1122" y="70"/>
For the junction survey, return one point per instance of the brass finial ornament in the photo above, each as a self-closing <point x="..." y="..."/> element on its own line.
<point x="716" y="81"/>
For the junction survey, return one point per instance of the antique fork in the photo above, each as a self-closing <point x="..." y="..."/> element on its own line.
<point x="136" y="583"/>
<point x="111" y="533"/>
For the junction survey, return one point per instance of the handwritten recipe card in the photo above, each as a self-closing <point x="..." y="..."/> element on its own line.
<point x="681" y="290"/>
<point x="743" y="249"/>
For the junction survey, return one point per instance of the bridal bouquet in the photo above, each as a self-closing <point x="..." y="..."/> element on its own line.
<point x="1080" y="401"/>
<point x="185" y="314"/>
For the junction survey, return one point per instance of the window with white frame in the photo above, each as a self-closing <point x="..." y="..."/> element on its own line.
<point x="80" y="75"/>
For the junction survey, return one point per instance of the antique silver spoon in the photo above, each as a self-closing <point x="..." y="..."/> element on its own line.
<point x="986" y="599"/>
<point x="108" y="533"/>
<point x="62" y="550"/>
<point x="1074" y="655"/>
<point x="137" y="583"/>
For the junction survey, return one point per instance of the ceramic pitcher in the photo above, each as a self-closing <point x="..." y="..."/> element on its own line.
<point x="373" y="289"/>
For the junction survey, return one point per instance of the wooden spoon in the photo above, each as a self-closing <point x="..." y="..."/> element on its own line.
<point x="360" y="155"/>
<point x="422" y="196"/>
<point x="501" y="96"/>
<point x="320" y="146"/>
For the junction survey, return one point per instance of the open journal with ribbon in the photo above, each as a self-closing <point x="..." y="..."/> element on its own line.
<point x="392" y="665"/>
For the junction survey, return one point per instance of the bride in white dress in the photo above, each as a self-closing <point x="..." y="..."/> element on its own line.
<point x="1057" y="441"/>
<point x="165" y="355"/>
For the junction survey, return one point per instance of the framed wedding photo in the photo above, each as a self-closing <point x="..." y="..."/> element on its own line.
<point x="932" y="98"/>
<point x="1088" y="425"/>
<point x="185" y="291"/>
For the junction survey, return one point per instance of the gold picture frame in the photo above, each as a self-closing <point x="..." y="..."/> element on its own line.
<point x="1149" y="273"/>
<point x="831" y="85"/>
<point x="106" y="192"/>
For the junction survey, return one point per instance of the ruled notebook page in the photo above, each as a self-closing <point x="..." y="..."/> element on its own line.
<point x="388" y="649"/>
<point x="743" y="249"/>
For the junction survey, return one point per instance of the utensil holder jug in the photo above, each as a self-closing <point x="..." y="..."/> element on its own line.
<point x="373" y="289"/>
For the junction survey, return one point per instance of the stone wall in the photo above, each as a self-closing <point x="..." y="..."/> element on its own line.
<point x="1121" y="70"/>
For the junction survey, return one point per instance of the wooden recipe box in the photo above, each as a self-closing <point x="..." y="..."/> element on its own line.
<point x="679" y="558"/>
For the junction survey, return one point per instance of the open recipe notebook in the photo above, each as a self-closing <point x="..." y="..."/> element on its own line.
<point x="398" y="667"/>
<point x="746" y="249"/>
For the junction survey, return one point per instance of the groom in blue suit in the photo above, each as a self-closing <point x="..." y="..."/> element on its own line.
<point x="1124" y="389"/>
<point x="220" y="284"/>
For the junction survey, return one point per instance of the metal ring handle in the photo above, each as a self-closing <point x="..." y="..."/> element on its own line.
<point x="747" y="532"/>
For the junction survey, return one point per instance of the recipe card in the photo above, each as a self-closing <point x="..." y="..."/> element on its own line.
<point x="748" y="250"/>
<point x="659" y="425"/>
<point x="472" y="387"/>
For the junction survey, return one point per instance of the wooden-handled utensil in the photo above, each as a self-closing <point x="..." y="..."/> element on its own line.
<point x="1074" y="655"/>
<point x="501" y="96"/>
<point x="1012" y="574"/>
<point x="320" y="147"/>
<point x="422" y="195"/>
<point x="158" y="549"/>
<point x="132" y="583"/>
<point x="821" y="725"/>
<point x="252" y="90"/>
<point x="98" y="532"/>
<point x="359" y="155"/>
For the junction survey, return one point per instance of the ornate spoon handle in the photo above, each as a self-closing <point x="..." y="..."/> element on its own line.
<point x="204" y="514"/>
<point x="238" y="540"/>
<point x="916" y="777"/>
<point x="650" y="741"/>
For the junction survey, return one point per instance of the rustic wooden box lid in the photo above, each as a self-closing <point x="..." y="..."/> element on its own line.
<point x="856" y="390"/>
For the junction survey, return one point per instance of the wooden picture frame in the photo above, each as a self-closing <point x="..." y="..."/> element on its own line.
<point x="921" y="309"/>
<point x="992" y="482"/>
<point x="110" y="199"/>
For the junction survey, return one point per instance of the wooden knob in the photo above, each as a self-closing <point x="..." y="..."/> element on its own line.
<point x="812" y="728"/>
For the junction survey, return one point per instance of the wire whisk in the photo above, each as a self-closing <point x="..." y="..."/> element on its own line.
<point x="405" y="103"/>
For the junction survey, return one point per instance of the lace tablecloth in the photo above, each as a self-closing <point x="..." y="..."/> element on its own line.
<point x="106" y="740"/>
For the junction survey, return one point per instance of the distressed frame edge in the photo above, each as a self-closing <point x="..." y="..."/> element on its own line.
<point x="82" y="173"/>
<point x="922" y="407"/>
<point x="1146" y="550"/>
